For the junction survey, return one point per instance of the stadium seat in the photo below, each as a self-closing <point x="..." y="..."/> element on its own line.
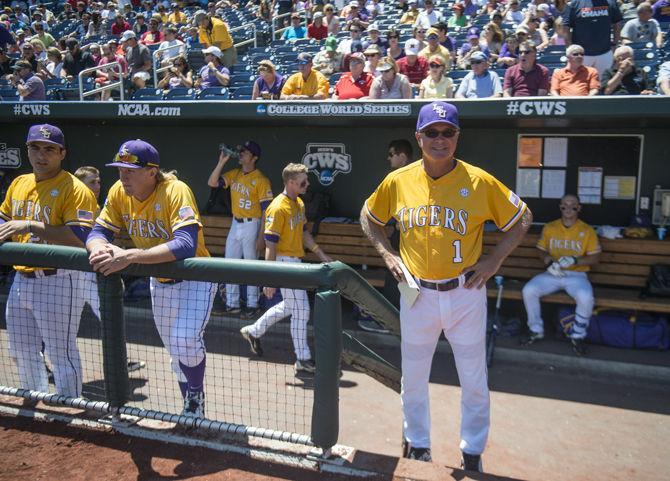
<point x="9" y="95"/>
<point x="181" y="94"/>
<point x="242" y="93"/>
<point x="242" y="78"/>
<point x="148" y="94"/>
<point x="335" y="77"/>
<point x="214" y="93"/>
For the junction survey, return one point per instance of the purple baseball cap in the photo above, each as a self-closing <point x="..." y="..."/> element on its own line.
<point x="436" y="113"/>
<point x="135" y="154"/>
<point x="252" y="147"/>
<point x="46" y="133"/>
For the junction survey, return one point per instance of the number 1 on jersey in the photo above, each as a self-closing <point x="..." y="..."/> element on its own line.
<point x="457" y="252"/>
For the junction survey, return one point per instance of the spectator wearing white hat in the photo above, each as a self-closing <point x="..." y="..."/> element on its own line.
<point x="138" y="58"/>
<point x="374" y="38"/>
<point x="213" y="73"/>
<point x="411" y="65"/>
<point x="372" y="57"/>
<point x="429" y="16"/>
<point x="317" y="30"/>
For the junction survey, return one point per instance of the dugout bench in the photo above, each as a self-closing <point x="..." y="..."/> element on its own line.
<point x="617" y="280"/>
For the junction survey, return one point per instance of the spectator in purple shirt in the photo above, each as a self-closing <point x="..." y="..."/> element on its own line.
<point x="662" y="11"/>
<point x="269" y="83"/>
<point x="29" y="85"/>
<point x="213" y="73"/>
<point x="527" y="78"/>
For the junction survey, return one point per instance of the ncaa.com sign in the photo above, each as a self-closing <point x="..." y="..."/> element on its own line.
<point x="146" y="110"/>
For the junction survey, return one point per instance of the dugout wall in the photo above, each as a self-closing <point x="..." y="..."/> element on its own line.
<point x="344" y="144"/>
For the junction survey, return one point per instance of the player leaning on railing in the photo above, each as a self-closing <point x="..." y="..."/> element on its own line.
<point x="47" y="206"/>
<point x="161" y="217"/>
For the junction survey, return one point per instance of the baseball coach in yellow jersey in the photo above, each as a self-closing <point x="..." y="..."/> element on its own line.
<point x="47" y="206"/>
<point x="568" y="247"/>
<point x="441" y="204"/>
<point x="161" y="217"/>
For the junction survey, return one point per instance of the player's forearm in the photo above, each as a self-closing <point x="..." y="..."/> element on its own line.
<point x="61" y="235"/>
<point x="154" y="255"/>
<point x="512" y="237"/>
<point x="270" y="251"/>
<point x="376" y="234"/>
<point x="214" y="177"/>
<point x="309" y="242"/>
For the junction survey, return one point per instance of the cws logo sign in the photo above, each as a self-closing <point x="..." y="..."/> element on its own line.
<point x="31" y="110"/>
<point x="326" y="161"/>
<point x="10" y="157"/>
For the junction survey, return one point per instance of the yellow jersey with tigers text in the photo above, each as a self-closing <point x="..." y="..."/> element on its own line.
<point x="247" y="191"/>
<point x="577" y="240"/>
<point x="286" y="219"/>
<point x="441" y="221"/>
<point x="153" y="221"/>
<point x="61" y="200"/>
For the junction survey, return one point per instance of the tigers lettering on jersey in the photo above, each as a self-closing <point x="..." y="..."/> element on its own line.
<point x="577" y="240"/>
<point x="153" y="221"/>
<point x="285" y="219"/>
<point x="441" y="220"/>
<point x="247" y="192"/>
<point x="61" y="200"/>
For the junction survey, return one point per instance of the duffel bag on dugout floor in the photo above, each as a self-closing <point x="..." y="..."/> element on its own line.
<point x="621" y="329"/>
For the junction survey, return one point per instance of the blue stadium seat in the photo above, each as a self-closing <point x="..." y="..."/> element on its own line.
<point x="335" y="77"/>
<point x="181" y="94"/>
<point x="242" y="93"/>
<point x="242" y="78"/>
<point x="148" y="94"/>
<point x="9" y="95"/>
<point x="214" y="93"/>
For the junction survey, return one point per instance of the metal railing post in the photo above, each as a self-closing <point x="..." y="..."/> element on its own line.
<point x="244" y="42"/>
<point x="156" y="61"/>
<point x="113" y="65"/>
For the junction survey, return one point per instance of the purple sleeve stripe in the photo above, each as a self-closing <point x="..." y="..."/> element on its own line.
<point x="272" y="238"/>
<point x="185" y="242"/>
<point x="101" y="232"/>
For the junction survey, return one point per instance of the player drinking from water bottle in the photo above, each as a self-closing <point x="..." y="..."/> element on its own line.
<point x="441" y="204"/>
<point x="160" y="214"/>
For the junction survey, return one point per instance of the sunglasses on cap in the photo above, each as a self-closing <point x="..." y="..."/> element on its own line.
<point x="434" y="65"/>
<point x="433" y="134"/>
<point x="131" y="159"/>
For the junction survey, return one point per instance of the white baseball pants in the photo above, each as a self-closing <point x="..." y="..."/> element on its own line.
<point x="600" y="62"/>
<point x="181" y="312"/>
<point x="241" y="244"/>
<point x="576" y="284"/>
<point x="46" y="308"/>
<point x="90" y="280"/>
<point x="294" y="303"/>
<point x="461" y="315"/>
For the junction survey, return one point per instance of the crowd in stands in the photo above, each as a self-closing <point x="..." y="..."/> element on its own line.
<point x="343" y="50"/>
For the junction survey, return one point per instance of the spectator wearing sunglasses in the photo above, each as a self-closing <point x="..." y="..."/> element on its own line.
<point x="331" y="20"/>
<point x="575" y="79"/>
<point x="436" y="85"/>
<point x="568" y="247"/>
<point x="527" y="78"/>
<point x="390" y="84"/>
<point x="480" y="83"/>
<point x="372" y="57"/>
<point x="395" y="50"/>
<point x="355" y="84"/>
<point x="355" y="34"/>
<point x="435" y="49"/>
<point x="178" y="76"/>
<point x="176" y="46"/>
<point x="375" y="39"/>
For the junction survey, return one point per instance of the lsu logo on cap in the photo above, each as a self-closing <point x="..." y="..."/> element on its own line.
<point x="46" y="133"/>
<point x="439" y="110"/>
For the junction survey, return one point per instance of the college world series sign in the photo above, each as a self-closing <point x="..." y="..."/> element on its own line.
<point x="326" y="161"/>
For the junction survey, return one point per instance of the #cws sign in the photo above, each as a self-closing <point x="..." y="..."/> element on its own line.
<point x="326" y="161"/>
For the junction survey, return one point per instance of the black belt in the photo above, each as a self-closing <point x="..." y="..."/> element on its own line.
<point x="170" y="282"/>
<point x="444" y="286"/>
<point x="244" y="219"/>
<point x="45" y="272"/>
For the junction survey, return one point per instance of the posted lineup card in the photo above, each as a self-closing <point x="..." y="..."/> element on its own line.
<point x="408" y="288"/>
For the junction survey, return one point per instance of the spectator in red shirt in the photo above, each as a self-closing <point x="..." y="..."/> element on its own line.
<point x="120" y="25"/>
<point x="413" y="66"/>
<point x="153" y="35"/>
<point x="106" y="76"/>
<point x="527" y="78"/>
<point x="317" y="29"/>
<point x="356" y="83"/>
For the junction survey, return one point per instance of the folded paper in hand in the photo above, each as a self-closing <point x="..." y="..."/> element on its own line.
<point x="409" y="289"/>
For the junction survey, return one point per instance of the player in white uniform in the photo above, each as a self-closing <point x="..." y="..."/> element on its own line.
<point x="48" y="206"/>
<point x="160" y="215"/>
<point x="285" y="235"/>
<point x="568" y="247"/>
<point x="250" y="194"/>
<point x="441" y="204"/>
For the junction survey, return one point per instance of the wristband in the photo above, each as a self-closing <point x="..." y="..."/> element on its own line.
<point x="30" y="227"/>
<point x="314" y="248"/>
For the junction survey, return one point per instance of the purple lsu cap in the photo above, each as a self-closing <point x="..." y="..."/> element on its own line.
<point x="252" y="147"/>
<point x="135" y="154"/>
<point x="46" y="133"/>
<point x="435" y="113"/>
